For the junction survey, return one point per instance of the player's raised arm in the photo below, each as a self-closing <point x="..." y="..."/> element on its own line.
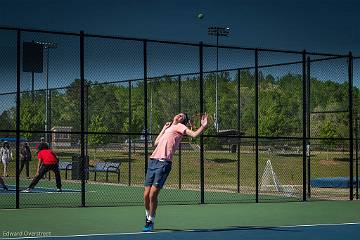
<point x="203" y="124"/>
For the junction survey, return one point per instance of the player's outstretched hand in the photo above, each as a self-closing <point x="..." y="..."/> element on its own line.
<point x="204" y="120"/>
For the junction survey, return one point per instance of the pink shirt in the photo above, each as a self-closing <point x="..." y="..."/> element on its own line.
<point x="169" y="142"/>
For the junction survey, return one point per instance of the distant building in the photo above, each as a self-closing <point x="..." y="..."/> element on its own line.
<point x="61" y="136"/>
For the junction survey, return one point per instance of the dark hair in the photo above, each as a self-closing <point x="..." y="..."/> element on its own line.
<point x="6" y="144"/>
<point x="186" y="119"/>
<point x="43" y="146"/>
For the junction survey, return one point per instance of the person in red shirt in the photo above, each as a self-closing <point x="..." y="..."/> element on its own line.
<point x="47" y="161"/>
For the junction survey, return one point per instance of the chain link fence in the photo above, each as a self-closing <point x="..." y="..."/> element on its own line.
<point x="283" y="125"/>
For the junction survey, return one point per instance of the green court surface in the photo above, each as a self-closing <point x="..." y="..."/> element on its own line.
<point x="109" y="194"/>
<point x="130" y="219"/>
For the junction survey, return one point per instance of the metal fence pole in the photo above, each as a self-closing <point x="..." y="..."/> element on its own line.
<point x="18" y="80"/>
<point x="238" y="128"/>
<point x="82" y="118"/>
<point x="257" y="123"/>
<point x="145" y="106"/>
<point x="308" y="149"/>
<point x="357" y="155"/>
<point x="304" y="118"/>
<point x="351" y="133"/>
<point x="202" y="166"/>
<point x="129" y="131"/>
<point x="179" y="110"/>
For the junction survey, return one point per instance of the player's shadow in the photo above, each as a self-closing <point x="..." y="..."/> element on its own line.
<point x="222" y="160"/>
<point x="232" y="228"/>
<point x="341" y="159"/>
<point x="289" y="154"/>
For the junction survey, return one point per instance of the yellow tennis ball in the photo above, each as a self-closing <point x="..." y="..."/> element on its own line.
<point x="200" y="16"/>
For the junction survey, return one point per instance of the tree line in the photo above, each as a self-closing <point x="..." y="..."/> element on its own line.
<point x="108" y="106"/>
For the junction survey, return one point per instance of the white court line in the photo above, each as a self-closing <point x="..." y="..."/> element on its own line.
<point x="47" y="190"/>
<point x="319" y="225"/>
<point x="189" y="230"/>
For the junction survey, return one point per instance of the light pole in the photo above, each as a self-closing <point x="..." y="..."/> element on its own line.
<point x="47" y="46"/>
<point x="223" y="32"/>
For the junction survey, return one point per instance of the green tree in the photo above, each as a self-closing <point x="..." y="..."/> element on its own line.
<point x="97" y="125"/>
<point x="328" y="131"/>
<point x="32" y="113"/>
<point x="7" y="120"/>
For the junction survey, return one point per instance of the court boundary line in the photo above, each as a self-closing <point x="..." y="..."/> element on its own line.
<point x="70" y="190"/>
<point x="187" y="230"/>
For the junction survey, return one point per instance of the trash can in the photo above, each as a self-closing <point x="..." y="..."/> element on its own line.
<point x="76" y="168"/>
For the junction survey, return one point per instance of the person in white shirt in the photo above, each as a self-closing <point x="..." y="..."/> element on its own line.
<point x="5" y="156"/>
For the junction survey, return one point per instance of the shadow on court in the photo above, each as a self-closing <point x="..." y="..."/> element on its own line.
<point x="319" y="232"/>
<point x="234" y="228"/>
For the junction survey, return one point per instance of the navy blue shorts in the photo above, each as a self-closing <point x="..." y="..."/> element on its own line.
<point x="157" y="172"/>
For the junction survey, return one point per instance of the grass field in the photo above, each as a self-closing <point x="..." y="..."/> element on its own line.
<point x="221" y="180"/>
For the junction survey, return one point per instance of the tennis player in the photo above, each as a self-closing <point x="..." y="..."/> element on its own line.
<point x="47" y="161"/>
<point x="159" y="165"/>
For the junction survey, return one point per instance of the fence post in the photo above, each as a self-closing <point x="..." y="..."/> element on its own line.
<point x="145" y="106"/>
<point x="357" y="155"/>
<point x="82" y="118"/>
<point x="18" y="80"/>
<point x="308" y="150"/>
<point x="129" y="131"/>
<point x="351" y="130"/>
<point x="238" y="128"/>
<point x="202" y="167"/>
<point x="179" y="110"/>
<point x="257" y="123"/>
<point x="304" y="118"/>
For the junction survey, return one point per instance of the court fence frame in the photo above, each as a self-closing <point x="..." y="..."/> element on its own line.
<point x="305" y="139"/>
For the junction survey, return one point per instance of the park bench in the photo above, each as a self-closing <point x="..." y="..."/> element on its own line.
<point x="107" y="167"/>
<point x="64" y="165"/>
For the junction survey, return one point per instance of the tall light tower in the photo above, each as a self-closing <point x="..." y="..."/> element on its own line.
<point x="218" y="32"/>
<point x="47" y="46"/>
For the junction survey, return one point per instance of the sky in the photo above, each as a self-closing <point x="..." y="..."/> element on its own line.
<point x="315" y="25"/>
<point x="327" y="26"/>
